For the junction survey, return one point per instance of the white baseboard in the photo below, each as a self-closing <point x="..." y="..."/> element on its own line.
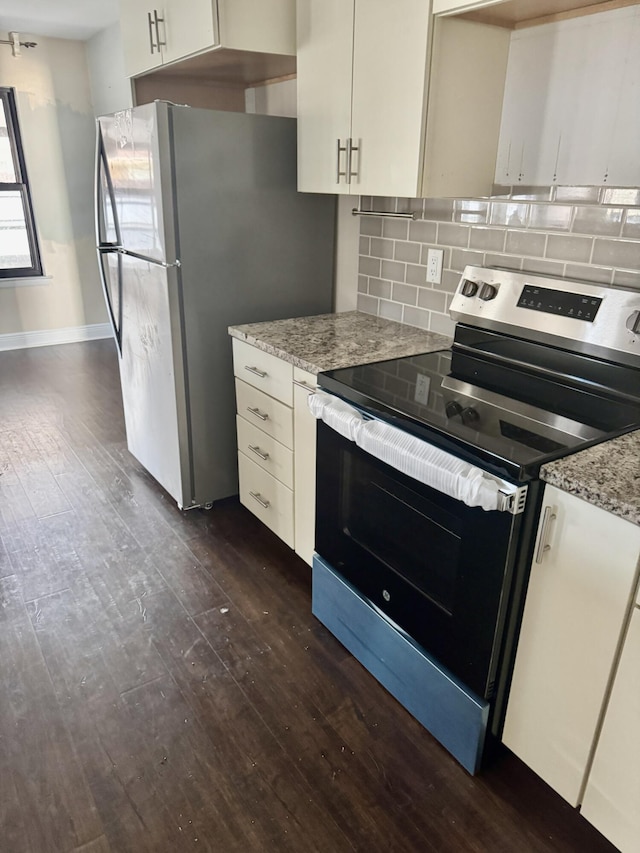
<point x="49" y="337"/>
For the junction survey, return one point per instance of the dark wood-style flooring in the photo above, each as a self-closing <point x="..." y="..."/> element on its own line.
<point x="164" y="686"/>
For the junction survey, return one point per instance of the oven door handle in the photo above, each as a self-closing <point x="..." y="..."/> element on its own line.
<point x="418" y="459"/>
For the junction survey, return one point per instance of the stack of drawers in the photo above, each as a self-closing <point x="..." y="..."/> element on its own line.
<point x="264" y="396"/>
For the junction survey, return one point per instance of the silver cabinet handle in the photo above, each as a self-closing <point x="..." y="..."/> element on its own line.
<point x="258" y="413"/>
<point x="302" y="384"/>
<point x="350" y="149"/>
<point x="550" y="514"/>
<point x="258" y="452"/>
<point x="158" y="20"/>
<point x="255" y="371"/>
<point x="152" y="46"/>
<point x="339" y="151"/>
<point x="258" y="497"/>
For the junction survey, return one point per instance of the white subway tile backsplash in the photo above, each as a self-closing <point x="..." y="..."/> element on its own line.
<point x="393" y="270"/>
<point x="487" y="239"/>
<point x="551" y="217"/>
<point x="381" y="248"/>
<point x="617" y="253"/>
<point x="588" y="233"/>
<point x="405" y="293"/>
<point x="605" y="221"/>
<point x="407" y="252"/>
<point x="569" y="248"/>
<point x="453" y="235"/>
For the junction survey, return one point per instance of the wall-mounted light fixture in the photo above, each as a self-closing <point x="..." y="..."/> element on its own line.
<point x="16" y="44"/>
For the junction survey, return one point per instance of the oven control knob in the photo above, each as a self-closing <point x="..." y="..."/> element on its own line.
<point x="488" y="292"/>
<point x="469" y="288"/>
<point x="469" y="416"/>
<point x="452" y="409"/>
<point x="633" y="322"/>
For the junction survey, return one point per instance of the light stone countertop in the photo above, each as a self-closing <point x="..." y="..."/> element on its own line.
<point x="330" y="341"/>
<point x="607" y="475"/>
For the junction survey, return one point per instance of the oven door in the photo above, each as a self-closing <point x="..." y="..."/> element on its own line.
<point x="439" y="569"/>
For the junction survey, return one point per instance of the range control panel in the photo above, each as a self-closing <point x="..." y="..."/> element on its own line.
<point x="581" y="316"/>
<point x="559" y="302"/>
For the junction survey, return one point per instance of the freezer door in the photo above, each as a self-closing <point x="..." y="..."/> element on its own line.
<point x="134" y="142"/>
<point x="152" y="375"/>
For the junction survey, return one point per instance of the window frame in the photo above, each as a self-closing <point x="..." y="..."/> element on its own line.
<point x="8" y="99"/>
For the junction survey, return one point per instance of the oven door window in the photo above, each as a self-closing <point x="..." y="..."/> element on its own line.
<point x="437" y="568"/>
<point x="393" y="524"/>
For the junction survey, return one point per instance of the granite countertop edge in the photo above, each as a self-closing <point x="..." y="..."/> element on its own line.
<point x="606" y="475"/>
<point x="332" y="341"/>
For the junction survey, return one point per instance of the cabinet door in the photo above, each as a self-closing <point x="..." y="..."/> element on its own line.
<point x="390" y="50"/>
<point x="612" y="798"/>
<point x="324" y="43"/>
<point x="304" y="438"/>
<point x="189" y="26"/>
<point x="139" y="41"/>
<point x="577" y="601"/>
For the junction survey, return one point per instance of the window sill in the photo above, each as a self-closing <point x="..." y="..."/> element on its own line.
<point x="26" y="280"/>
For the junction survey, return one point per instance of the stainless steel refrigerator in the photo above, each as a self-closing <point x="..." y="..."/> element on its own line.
<point x="199" y="226"/>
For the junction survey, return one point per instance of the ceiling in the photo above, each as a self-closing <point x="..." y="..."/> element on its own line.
<point x="70" y="19"/>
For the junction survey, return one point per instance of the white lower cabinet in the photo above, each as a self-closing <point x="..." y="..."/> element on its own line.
<point x="612" y="797"/>
<point x="577" y="606"/>
<point x="304" y="441"/>
<point x="276" y="445"/>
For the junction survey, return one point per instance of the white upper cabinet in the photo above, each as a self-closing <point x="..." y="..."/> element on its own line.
<point x="387" y="102"/>
<point x="154" y="36"/>
<point x="571" y="108"/>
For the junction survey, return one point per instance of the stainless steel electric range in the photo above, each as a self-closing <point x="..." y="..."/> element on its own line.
<point x="428" y="490"/>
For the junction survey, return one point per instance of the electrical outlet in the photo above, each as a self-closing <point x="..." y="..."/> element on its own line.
<point x="434" y="265"/>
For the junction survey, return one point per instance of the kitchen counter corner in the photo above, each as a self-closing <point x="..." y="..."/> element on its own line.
<point x="606" y="475"/>
<point x="331" y="341"/>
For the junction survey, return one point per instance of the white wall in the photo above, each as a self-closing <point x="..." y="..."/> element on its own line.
<point x="58" y="134"/>
<point x="110" y="86"/>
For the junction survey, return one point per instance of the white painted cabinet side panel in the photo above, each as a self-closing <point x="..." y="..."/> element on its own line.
<point x="612" y="797"/>
<point x="304" y="443"/>
<point x="576" y="604"/>
<point x="623" y="164"/>
<point x="391" y="42"/>
<point x="324" y="45"/>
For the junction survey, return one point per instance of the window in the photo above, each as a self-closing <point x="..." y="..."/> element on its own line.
<point x="19" y="252"/>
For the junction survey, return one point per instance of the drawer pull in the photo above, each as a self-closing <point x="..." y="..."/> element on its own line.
<point x="258" y="497"/>
<point x="258" y="413"/>
<point x="302" y="384"/>
<point x="255" y="371"/>
<point x="258" y="452"/>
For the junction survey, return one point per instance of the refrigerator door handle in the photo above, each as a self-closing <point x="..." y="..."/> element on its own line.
<point x="105" y="247"/>
<point x="153" y="261"/>
<point x="116" y="325"/>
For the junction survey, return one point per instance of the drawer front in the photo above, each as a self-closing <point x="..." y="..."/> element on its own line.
<point x="265" y="451"/>
<point x="304" y="379"/>
<point x="266" y="498"/>
<point x="263" y="370"/>
<point x="267" y="414"/>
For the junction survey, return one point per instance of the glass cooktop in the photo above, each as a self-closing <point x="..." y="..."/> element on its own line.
<point x="499" y="411"/>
